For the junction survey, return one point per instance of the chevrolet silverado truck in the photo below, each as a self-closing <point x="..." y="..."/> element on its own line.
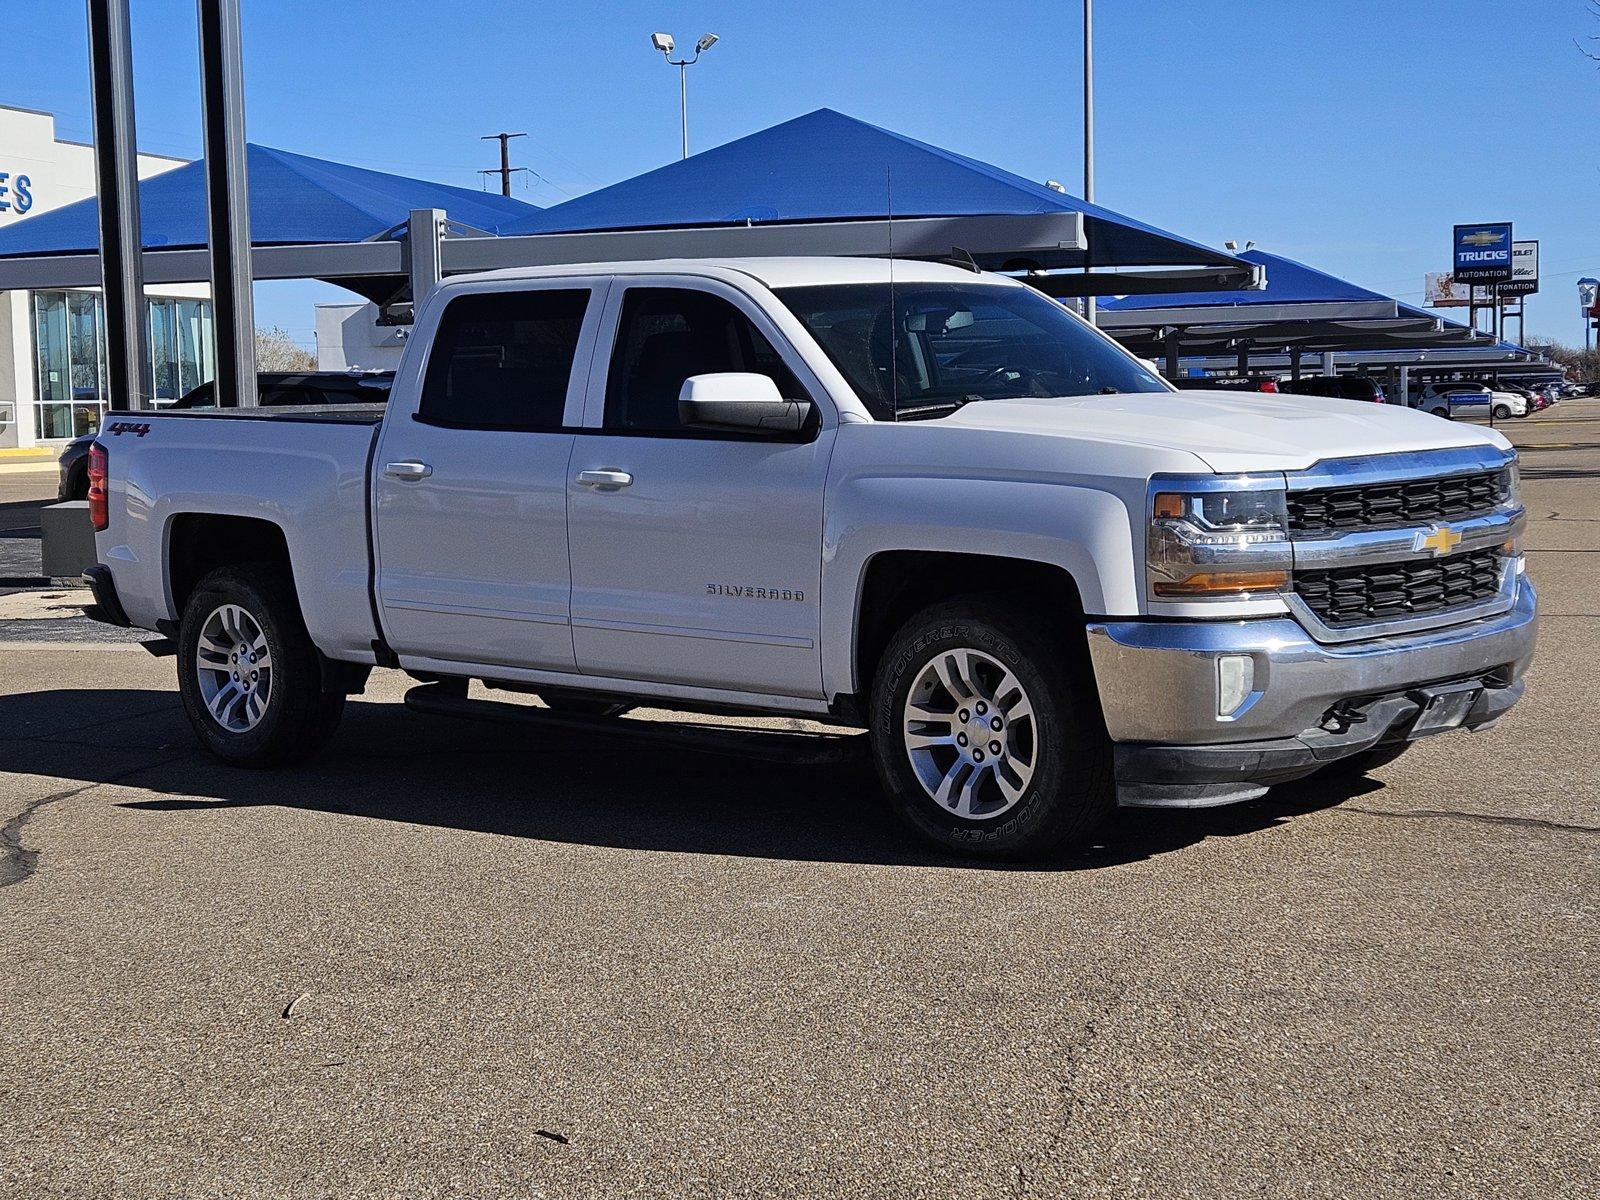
<point x="902" y="496"/>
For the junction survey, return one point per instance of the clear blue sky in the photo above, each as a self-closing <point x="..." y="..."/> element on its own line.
<point x="1349" y="134"/>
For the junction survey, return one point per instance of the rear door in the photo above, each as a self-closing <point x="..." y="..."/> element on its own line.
<point x="470" y="478"/>
<point x="696" y="555"/>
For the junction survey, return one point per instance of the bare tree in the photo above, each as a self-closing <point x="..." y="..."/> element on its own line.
<point x="276" y="351"/>
<point x="1589" y="46"/>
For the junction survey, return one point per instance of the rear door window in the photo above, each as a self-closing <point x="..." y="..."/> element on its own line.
<point x="503" y="360"/>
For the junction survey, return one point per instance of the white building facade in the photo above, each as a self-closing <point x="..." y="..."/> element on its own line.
<point x="349" y="338"/>
<point x="52" y="343"/>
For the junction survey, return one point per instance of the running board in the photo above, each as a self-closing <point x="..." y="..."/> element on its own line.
<point x="795" y="749"/>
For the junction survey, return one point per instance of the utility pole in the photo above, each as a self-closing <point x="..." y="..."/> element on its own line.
<point x="1088" y="124"/>
<point x="505" y="169"/>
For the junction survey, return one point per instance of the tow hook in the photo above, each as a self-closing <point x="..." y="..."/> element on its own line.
<point x="1342" y="716"/>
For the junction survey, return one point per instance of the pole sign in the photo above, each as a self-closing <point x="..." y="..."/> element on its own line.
<point x="1483" y="253"/>
<point x="1588" y="296"/>
<point x="1524" y="270"/>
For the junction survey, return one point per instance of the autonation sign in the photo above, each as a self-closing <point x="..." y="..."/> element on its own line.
<point x="16" y="193"/>
<point x="1483" y="253"/>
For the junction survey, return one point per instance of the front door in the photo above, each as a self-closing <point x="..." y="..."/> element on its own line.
<point x="470" y="489"/>
<point x="696" y="556"/>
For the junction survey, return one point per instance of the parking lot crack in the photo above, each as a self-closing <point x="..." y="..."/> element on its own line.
<point x="17" y="862"/>
<point x="1483" y="818"/>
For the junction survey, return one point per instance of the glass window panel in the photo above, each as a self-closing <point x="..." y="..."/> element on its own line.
<point x="193" y="348"/>
<point x="163" y="350"/>
<point x="83" y="346"/>
<point x="55" y="421"/>
<point x="52" y="370"/>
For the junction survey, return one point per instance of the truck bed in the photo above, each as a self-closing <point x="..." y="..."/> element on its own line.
<point x="304" y="471"/>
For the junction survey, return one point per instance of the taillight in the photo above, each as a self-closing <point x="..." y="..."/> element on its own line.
<point x="99" y="510"/>
<point x="1268" y="385"/>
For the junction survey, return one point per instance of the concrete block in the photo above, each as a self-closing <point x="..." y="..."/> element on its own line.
<point x="68" y="548"/>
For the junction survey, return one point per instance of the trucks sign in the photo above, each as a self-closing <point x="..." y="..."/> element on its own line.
<point x="1483" y="253"/>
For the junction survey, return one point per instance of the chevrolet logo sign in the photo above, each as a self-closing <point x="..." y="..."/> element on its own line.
<point x="1441" y="539"/>
<point x="1484" y="237"/>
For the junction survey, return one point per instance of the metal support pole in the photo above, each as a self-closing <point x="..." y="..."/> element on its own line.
<point x="1088" y="126"/>
<point x="227" y="201"/>
<point x="1329" y="367"/>
<point x="1244" y="358"/>
<point x="424" y="239"/>
<point x="683" y="104"/>
<point x="116" y="170"/>
<point x="1174" y="337"/>
<point x="1294" y="362"/>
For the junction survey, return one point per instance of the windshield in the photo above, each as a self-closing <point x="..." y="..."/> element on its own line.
<point x="955" y="344"/>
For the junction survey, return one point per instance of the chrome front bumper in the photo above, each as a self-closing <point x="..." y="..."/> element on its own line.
<point x="1310" y="704"/>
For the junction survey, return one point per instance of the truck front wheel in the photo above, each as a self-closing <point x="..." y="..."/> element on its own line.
<point x="987" y="733"/>
<point x="248" y="671"/>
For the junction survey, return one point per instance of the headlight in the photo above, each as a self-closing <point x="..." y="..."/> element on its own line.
<point x="1510" y="482"/>
<point x="1217" y="539"/>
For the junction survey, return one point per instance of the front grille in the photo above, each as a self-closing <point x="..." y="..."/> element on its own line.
<point x="1348" y="596"/>
<point x="1321" y="511"/>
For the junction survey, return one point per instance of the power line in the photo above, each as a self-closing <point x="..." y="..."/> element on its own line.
<point x="505" y="170"/>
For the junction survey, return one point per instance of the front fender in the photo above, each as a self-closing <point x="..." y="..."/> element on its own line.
<point x="1085" y="531"/>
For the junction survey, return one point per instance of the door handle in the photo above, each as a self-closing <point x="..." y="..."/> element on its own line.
<point x="410" y="471"/>
<point x="607" y="480"/>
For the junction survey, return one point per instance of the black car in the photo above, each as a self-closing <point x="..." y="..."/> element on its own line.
<point x="278" y="390"/>
<point x="1341" y="387"/>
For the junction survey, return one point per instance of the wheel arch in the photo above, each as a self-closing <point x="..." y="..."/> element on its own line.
<point x="896" y="584"/>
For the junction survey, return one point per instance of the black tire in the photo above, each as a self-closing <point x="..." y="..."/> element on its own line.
<point x="1502" y="412"/>
<point x="583" y="706"/>
<point x="1071" y="789"/>
<point x="1368" y="761"/>
<point x="299" y="717"/>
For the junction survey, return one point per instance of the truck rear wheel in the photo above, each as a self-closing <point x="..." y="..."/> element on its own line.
<point x="986" y="731"/>
<point x="248" y="671"/>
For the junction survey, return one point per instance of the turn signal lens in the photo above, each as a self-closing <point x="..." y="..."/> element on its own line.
<point x="1169" y="505"/>
<point x="1213" y="583"/>
<point x="99" y="510"/>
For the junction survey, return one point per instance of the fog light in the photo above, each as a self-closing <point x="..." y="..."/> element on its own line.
<point x="1236" y="679"/>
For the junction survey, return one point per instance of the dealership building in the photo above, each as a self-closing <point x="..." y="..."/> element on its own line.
<point x="52" y="343"/>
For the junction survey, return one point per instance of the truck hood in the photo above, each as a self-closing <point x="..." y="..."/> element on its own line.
<point x="1232" y="431"/>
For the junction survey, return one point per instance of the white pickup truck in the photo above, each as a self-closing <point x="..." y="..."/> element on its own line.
<point x="903" y="496"/>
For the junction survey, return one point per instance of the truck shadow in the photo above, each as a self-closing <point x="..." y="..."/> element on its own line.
<point x="388" y="763"/>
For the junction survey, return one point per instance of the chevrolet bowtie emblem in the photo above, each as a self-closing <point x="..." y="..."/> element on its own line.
<point x="1441" y="539"/>
<point x="1484" y="237"/>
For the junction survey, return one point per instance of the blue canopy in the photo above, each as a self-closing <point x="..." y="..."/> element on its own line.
<point x="294" y="199"/>
<point x="1288" y="282"/>
<point x="828" y="166"/>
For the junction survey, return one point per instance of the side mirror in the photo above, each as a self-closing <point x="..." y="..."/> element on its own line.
<point x="737" y="400"/>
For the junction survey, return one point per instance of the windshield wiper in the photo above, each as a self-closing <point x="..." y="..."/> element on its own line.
<point x="937" y="408"/>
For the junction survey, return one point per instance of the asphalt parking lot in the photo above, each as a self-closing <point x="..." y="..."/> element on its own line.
<point x="457" y="959"/>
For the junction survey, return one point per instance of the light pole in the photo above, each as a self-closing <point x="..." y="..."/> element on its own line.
<point x="664" y="43"/>
<point x="1088" y="124"/>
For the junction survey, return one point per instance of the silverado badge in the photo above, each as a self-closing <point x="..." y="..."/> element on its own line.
<point x="1441" y="539"/>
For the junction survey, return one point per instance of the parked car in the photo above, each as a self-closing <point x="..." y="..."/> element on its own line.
<point x="1342" y="387"/>
<point x="311" y="388"/>
<point x="941" y="508"/>
<point x="1442" y="399"/>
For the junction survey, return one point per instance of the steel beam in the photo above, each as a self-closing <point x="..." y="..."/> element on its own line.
<point x="227" y="201"/>
<point x="116" y="170"/>
<point x="995" y="242"/>
<point x="424" y="253"/>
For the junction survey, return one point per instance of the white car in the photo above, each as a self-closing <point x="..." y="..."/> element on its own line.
<point x="901" y="497"/>
<point x="1442" y="399"/>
